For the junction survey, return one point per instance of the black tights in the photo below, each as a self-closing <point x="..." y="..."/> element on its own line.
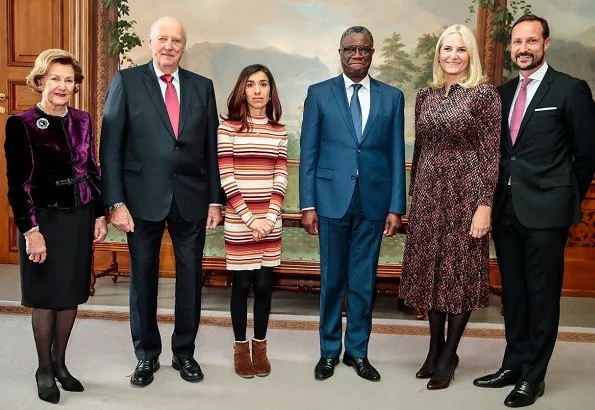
<point x="51" y="331"/>
<point x="441" y="354"/>
<point x="261" y="280"/>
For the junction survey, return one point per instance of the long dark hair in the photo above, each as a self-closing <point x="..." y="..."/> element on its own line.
<point x="237" y="106"/>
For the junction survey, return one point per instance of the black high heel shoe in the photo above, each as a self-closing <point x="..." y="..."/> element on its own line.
<point x="69" y="383"/>
<point x="50" y="394"/>
<point x="427" y="374"/>
<point x="434" y="384"/>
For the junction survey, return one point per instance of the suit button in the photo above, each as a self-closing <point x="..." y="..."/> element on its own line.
<point x="353" y="177"/>
<point x="175" y="175"/>
<point x="359" y="150"/>
<point x="512" y="158"/>
<point x="176" y="147"/>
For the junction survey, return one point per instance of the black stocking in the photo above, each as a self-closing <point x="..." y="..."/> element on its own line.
<point x="437" y="321"/>
<point x="64" y="322"/>
<point x="238" y="306"/>
<point x="456" y="327"/>
<point x="44" y="324"/>
<point x="263" y="288"/>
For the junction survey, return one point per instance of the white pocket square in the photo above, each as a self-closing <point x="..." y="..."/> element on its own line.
<point x="546" y="108"/>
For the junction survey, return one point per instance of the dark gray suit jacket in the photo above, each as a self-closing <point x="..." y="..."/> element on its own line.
<point x="552" y="162"/>
<point x="142" y="162"/>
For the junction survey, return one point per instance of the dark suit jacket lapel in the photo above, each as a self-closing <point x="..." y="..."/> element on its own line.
<point x="185" y="85"/>
<point x="507" y="96"/>
<point x="338" y="88"/>
<point x="374" y="106"/>
<point x="151" y="84"/>
<point x="542" y="90"/>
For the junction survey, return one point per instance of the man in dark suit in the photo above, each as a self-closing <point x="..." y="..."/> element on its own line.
<point x="547" y="164"/>
<point x="352" y="191"/>
<point x="159" y="165"/>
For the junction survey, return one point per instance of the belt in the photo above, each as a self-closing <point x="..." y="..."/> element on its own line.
<point x="72" y="181"/>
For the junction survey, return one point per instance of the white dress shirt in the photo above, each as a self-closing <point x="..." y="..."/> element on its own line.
<point x="537" y="78"/>
<point x="163" y="84"/>
<point x="363" y="94"/>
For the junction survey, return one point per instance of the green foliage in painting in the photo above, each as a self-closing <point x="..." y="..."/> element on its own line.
<point x="122" y="38"/>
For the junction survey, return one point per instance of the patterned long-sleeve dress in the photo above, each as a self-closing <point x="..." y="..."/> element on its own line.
<point x="454" y="169"/>
<point x="253" y="167"/>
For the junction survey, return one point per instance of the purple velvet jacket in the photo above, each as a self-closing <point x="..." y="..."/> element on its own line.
<point x="50" y="163"/>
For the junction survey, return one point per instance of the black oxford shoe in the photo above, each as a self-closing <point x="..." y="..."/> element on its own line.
<point x="188" y="368"/>
<point x="143" y="374"/>
<point x="362" y="367"/>
<point x="325" y="368"/>
<point x="503" y="377"/>
<point x="524" y="394"/>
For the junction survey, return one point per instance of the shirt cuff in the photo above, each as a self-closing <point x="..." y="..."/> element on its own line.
<point x="308" y="209"/>
<point x="219" y="205"/>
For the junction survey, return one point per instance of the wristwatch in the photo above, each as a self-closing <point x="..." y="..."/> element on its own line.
<point x="115" y="206"/>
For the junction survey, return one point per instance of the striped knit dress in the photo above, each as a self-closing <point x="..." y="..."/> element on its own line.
<point x="253" y="167"/>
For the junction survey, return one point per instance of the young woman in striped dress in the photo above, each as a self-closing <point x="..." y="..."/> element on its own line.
<point x="252" y="147"/>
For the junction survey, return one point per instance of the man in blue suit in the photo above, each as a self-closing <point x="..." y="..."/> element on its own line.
<point x="352" y="192"/>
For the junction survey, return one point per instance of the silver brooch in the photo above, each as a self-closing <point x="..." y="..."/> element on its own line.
<point x="43" y="123"/>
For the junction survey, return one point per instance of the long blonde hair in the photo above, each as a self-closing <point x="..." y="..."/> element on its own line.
<point x="474" y="75"/>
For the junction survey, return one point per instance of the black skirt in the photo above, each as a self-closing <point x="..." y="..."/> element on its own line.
<point x="62" y="281"/>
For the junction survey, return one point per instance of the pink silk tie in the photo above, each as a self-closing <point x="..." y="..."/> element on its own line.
<point x="518" y="110"/>
<point x="171" y="102"/>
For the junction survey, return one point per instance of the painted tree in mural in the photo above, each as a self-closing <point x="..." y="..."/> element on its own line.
<point x="424" y="52"/>
<point x="504" y="18"/>
<point x="397" y="68"/>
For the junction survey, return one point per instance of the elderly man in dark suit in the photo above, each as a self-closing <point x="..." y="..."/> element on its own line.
<point x="159" y="164"/>
<point x="547" y="164"/>
<point x="352" y="192"/>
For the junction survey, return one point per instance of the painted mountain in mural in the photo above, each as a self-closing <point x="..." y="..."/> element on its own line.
<point x="586" y="37"/>
<point x="573" y="58"/>
<point x="223" y="62"/>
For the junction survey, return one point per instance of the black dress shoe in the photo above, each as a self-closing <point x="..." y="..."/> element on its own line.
<point x="51" y="394"/>
<point x="325" y="368"/>
<point x="68" y="382"/>
<point x="143" y="374"/>
<point x="189" y="369"/>
<point x="427" y="374"/>
<point x="362" y="367"/>
<point x="524" y="394"/>
<point x="503" y="377"/>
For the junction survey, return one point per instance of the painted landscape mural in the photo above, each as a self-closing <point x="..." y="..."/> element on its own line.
<point x="298" y="41"/>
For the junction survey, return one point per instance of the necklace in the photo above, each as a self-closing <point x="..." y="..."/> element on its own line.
<point x="53" y="115"/>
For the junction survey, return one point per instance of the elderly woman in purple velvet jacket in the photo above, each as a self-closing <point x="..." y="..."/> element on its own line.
<point x="54" y="191"/>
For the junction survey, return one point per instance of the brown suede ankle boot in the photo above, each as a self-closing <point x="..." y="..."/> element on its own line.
<point x="262" y="366"/>
<point x="241" y="359"/>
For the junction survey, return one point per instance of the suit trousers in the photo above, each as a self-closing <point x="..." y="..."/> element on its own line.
<point x="188" y="239"/>
<point x="531" y="263"/>
<point x="349" y="249"/>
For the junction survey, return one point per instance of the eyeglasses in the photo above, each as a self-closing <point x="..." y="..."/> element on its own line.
<point x="350" y="51"/>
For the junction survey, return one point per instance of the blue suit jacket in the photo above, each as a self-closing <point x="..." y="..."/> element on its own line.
<point x="331" y="157"/>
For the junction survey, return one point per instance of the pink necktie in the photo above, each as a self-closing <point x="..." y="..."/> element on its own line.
<point x="171" y="102"/>
<point x="518" y="110"/>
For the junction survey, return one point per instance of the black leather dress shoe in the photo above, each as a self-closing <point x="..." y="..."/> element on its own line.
<point x="51" y="394"/>
<point x="189" y="369"/>
<point x="362" y="367"/>
<point x="524" y="394"/>
<point x="143" y="374"/>
<point x="325" y="368"/>
<point x="503" y="377"/>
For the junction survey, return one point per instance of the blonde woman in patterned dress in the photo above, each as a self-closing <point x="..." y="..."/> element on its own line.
<point x="453" y="176"/>
<point x="252" y="147"/>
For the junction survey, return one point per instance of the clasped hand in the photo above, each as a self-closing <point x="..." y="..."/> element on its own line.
<point x="261" y="228"/>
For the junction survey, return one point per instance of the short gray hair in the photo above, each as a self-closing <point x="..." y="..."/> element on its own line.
<point x="356" y="30"/>
<point x="160" y="19"/>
